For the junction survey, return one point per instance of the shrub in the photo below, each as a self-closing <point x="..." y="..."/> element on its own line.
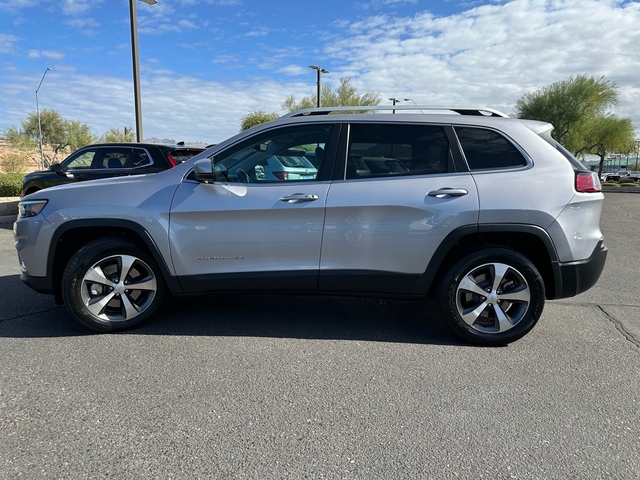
<point x="10" y="184"/>
<point x="12" y="162"/>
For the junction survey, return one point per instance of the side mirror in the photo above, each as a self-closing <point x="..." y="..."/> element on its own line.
<point x="203" y="170"/>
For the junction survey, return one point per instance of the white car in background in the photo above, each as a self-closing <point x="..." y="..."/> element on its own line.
<point x="292" y="165"/>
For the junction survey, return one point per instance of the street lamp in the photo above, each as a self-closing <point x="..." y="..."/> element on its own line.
<point x="320" y="70"/>
<point x="394" y="100"/>
<point x="136" y="66"/>
<point x="413" y="101"/>
<point x="38" y="115"/>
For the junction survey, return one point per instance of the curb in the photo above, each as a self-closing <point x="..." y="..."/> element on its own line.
<point x="621" y="190"/>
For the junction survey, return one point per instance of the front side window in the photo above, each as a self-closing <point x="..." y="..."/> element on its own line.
<point x="377" y="150"/>
<point x="488" y="150"/>
<point x="285" y="155"/>
<point x="81" y="161"/>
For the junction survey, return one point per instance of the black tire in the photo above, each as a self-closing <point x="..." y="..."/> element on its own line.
<point x="100" y="297"/>
<point x="492" y="296"/>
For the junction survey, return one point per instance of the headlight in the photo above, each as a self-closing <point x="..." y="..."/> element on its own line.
<point x="31" y="208"/>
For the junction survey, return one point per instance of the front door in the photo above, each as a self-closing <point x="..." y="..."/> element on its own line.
<point x="259" y="226"/>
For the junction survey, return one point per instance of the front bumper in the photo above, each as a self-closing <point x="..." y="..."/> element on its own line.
<point x="39" y="284"/>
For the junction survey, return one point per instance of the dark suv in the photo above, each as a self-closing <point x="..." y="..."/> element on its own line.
<point x="488" y="215"/>
<point x="109" y="160"/>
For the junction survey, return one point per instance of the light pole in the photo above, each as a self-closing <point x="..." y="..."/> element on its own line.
<point x="320" y="70"/>
<point x="394" y="100"/>
<point x="38" y="115"/>
<point x="136" y="66"/>
<point x="413" y="101"/>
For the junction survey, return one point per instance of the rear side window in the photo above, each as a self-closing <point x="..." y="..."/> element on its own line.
<point x="115" y="157"/>
<point x="377" y="150"/>
<point x="488" y="150"/>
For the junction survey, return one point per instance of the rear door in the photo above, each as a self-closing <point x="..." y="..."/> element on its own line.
<point x="402" y="192"/>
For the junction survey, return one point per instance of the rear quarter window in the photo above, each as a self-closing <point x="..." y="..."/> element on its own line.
<point x="488" y="150"/>
<point x="180" y="156"/>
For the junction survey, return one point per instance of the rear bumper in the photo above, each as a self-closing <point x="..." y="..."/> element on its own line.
<point x="578" y="277"/>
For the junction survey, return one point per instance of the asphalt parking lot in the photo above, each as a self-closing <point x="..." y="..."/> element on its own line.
<point x="341" y="388"/>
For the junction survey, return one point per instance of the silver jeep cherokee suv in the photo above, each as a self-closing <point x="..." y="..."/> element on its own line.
<point x="486" y="214"/>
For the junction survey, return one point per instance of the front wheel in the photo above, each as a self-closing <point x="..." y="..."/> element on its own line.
<point x="492" y="296"/>
<point x="112" y="284"/>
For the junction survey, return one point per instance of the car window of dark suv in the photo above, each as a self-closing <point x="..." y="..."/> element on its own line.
<point x="488" y="150"/>
<point x="116" y="157"/>
<point x="384" y="150"/>
<point x="82" y="160"/>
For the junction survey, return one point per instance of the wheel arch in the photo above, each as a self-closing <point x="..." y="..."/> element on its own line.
<point x="530" y="240"/>
<point x="73" y="235"/>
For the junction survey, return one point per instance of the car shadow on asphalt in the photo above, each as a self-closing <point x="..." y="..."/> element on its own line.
<point x="27" y="314"/>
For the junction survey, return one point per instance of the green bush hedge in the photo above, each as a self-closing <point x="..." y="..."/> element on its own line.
<point x="10" y="184"/>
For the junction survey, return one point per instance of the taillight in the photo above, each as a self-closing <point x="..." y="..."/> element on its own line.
<point x="587" y="182"/>
<point x="282" y="175"/>
<point x="171" y="161"/>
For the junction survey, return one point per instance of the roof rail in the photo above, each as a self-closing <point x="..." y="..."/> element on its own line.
<point x="478" y="111"/>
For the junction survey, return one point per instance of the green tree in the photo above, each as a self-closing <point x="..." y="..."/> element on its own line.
<point x="609" y="134"/>
<point x="256" y="117"/>
<point x="114" y="135"/>
<point x="58" y="135"/>
<point x="345" y="95"/>
<point x="579" y="109"/>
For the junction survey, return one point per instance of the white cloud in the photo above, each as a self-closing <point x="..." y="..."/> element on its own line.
<point x="15" y="5"/>
<point x="52" y="54"/>
<point x="78" y="7"/>
<point x="83" y="23"/>
<point x="259" y="32"/>
<point x="489" y="55"/>
<point x="7" y="42"/>
<point x="294" y="70"/>
<point x="493" y="54"/>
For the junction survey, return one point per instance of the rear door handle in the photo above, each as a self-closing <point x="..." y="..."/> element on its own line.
<point x="299" y="198"/>
<point x="447" y="192"/>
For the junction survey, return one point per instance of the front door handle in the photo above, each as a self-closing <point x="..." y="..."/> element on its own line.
<point x="447" y="192"/>
<point x="299" y="198"/>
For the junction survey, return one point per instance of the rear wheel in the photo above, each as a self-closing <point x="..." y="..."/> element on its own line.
<point x="492" y="296"/>
<point x="112" y="284"/>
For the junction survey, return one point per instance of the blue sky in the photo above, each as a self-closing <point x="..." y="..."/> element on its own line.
<point x="206" y="63"/>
